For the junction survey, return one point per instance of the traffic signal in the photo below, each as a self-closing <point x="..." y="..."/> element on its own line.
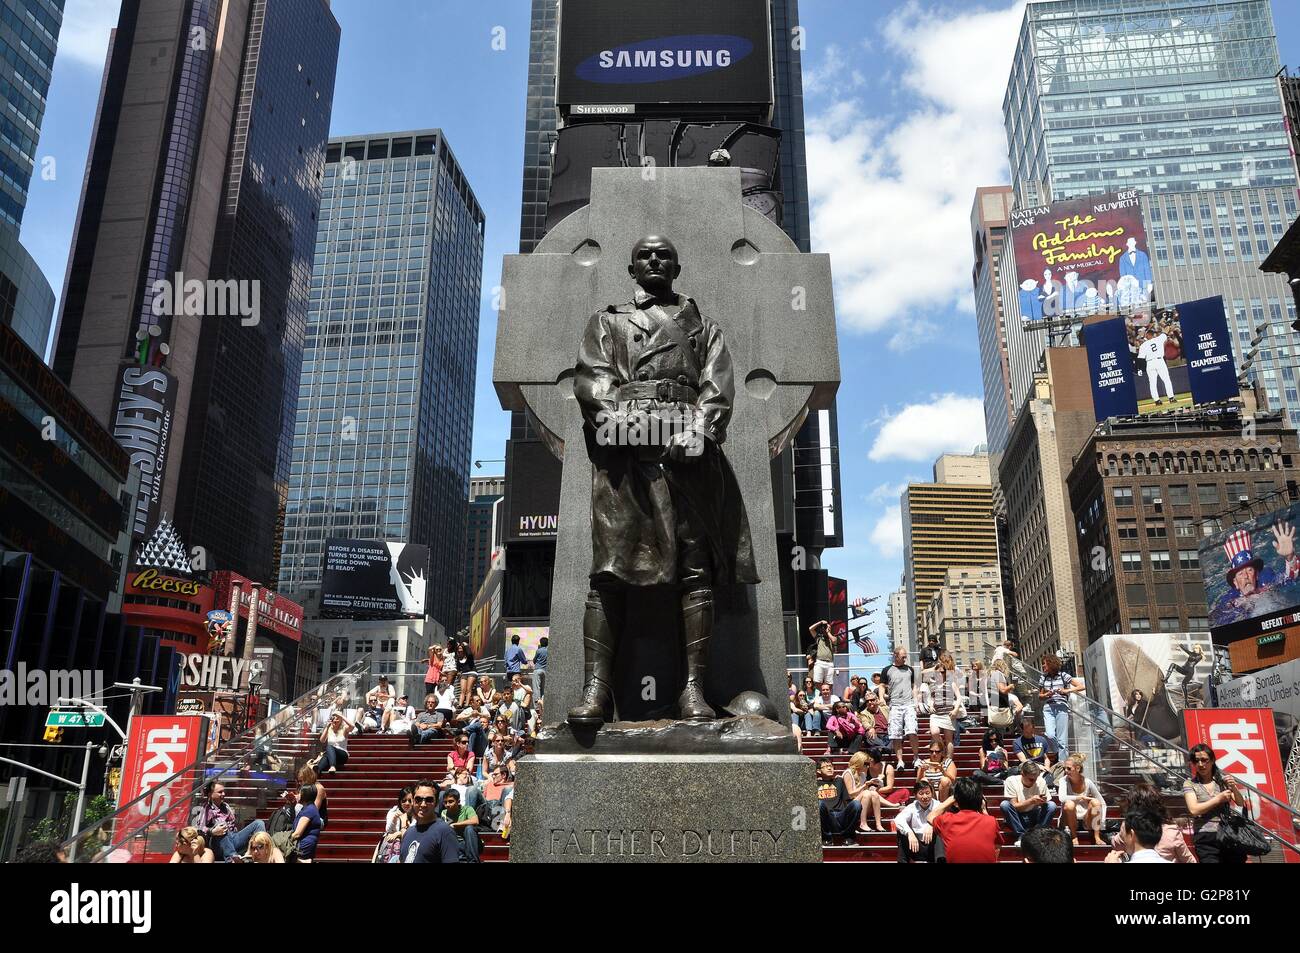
<point x="54" y="735"/>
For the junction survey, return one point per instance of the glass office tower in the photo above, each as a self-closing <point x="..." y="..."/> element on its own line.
<point x="205" y="162"/>
<point x="385" y="407"/>
<point x="1178" y="99"/>
<point x="1158" y="95"/>
<point x="29" y="36"/>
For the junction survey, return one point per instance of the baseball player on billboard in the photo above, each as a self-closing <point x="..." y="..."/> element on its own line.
<point x="1152" y="350"/>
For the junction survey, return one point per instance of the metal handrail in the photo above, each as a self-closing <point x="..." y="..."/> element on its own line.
<point x="210" y="765"/>
<point x="1105" y="725"/>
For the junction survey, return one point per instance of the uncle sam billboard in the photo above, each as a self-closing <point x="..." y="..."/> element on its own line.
<point x="1252" y="575"/>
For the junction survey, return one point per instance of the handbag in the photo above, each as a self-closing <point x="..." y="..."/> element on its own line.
<point x="1000" y="717"/>
<point x="1238" y="834"/>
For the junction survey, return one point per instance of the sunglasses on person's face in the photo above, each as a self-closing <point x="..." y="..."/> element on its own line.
<point x="426" y="800"/>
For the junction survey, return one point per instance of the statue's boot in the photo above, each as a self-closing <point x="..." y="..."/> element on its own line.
<point x="598" y="642"/>
<point x="697" y="627"/>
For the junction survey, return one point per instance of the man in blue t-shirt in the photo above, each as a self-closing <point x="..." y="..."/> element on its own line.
<point x="515" y="657"/>
<point x="429" y="840"/>
<point x="1029" y="746"/>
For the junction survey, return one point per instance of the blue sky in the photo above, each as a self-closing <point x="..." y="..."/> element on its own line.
<point x="903" y="104"/>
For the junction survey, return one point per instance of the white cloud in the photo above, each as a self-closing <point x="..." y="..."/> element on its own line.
<point x="887" y="535"/>
<point x="887" y="492"/>
<point x="83" y="38"/>
<point x="891" y="201"/>
<point x="949" y="423"/>
<point x="833" y="76"/>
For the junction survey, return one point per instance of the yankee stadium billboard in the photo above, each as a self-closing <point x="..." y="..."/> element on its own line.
<point x="1156" y="360"/>
<point x="1085" y="256"/>
<point x="370" y="578"/>
<point x="629" y="54"/>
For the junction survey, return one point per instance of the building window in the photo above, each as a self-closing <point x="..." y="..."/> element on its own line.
<point x="365" y="646"/>
<point x="1188" y="559"/>
<point x="1132" y="562"/>
<point x="1151" y="495"/>
<point x="1123" y="495"/>
<point x="1156" y="531"/>
<point x="1198" y="623"/>
<point x="1184" y="528"/>
<point x="1127" y="529"/>
<point x="1169" y="624"/>
<point x="1141" y="625"/>
<point x="1180" y="495"/>
<point x="1207" y="493"/>
<point x="1160" y="561"/>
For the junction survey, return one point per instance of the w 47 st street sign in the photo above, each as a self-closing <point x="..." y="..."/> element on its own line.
<point x="74" y="719"/>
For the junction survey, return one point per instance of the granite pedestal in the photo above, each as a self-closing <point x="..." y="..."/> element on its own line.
<point x="665" y="808"/>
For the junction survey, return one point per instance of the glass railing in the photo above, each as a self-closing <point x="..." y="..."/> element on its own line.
<point x="1122" y="753"/>
<point x="258" y="771"/>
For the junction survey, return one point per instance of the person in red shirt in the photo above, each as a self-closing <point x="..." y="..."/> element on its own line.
<point x="970" y="836"/>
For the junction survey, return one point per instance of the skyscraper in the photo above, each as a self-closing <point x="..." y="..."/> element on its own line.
<point x="1179" y="100"/>
<point x="805" y="476"/>
<point x="946" y="524"/>
<point x="482" y="538"/>
<point x="29" y="36"/>
<point x="989" y="221"/>
<point x="385" y="404"/>
<point x="185" y="302"/>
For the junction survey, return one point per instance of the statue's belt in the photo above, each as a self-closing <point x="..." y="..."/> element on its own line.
<point x="667" y="391"/>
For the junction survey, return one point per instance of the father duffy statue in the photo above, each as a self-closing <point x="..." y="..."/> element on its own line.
<point x="654" y="382"/>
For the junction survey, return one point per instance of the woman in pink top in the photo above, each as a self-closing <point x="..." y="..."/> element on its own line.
<point x="1172" y="846"/>
<point x="460" y="758"/>
<point x="434" y="673"/>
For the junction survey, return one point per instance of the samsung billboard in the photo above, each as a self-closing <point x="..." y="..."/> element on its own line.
<point x="616" y="54"/>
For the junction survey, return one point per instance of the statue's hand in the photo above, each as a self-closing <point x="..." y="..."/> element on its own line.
<point x="688" y="445"/>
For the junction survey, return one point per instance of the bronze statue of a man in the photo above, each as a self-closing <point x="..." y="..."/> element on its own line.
<point x="654" y="382"/>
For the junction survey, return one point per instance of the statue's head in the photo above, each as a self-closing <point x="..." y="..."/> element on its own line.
<point x="654" y="265"/>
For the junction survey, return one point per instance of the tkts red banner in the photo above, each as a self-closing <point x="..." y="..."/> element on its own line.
<point x="1244" y="742"/>
<point x="159" y="747"/>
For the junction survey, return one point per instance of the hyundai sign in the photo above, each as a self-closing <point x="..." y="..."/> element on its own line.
<point x="678" y="52"/>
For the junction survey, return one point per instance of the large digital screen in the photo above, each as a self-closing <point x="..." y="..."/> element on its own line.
<point x="1252" y="575"/>
<point x="1081" y="257"/>
<point x="680" y="52"/>
<point x="369" y="578"/>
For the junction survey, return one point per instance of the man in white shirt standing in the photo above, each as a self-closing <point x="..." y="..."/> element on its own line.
<point x="1152" y="350"/>
<point x="1142" y="832"/>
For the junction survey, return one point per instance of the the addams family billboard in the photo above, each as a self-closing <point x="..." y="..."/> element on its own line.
<point x="1085" y="256"/>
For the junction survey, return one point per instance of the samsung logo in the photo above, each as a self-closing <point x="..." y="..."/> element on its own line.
<point x="672" y="57"/>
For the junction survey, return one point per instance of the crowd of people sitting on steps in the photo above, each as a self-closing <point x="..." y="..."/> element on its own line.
<point x="489" y="726"/>
<point x="1043" y="794"/>
<point x="1045" y="800"/>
